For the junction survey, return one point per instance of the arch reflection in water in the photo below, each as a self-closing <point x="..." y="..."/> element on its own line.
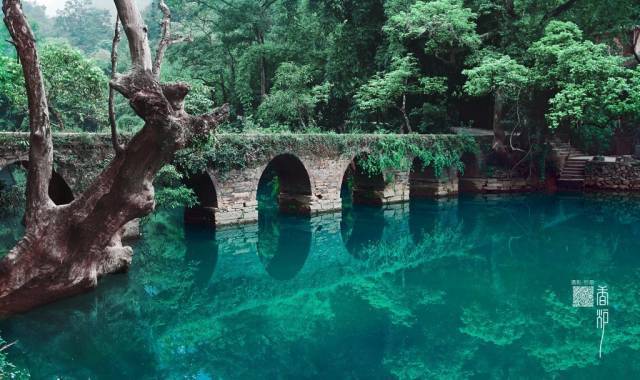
<point x="428" y="216"/>
<point x="284" y="243"/>
<point x="361" y="227"/>
<point x="202" y="251"/>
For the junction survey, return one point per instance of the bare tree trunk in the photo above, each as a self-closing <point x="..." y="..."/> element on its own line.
<point x="58" y="118"/>
<point x="499" y="136"/>
<point x="403" y="111"/>
<point x="225" y="97"/>
<point x="66" y="249"/>
<point x="263" y="67"/>
<point x="263" y="78"/>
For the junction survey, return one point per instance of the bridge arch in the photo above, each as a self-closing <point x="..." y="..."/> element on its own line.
<point x="360" y="187"/>
<point x="205" y="187"/>
<point x="285" y="181"/>
<point x="59" y="190"/>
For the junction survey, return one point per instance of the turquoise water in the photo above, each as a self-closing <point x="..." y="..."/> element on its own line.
<point x="477" y="288"/>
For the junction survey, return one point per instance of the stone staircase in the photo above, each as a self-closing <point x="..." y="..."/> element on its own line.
<point x="574" y="161"/>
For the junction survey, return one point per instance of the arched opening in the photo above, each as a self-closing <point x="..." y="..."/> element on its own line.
<point x="472" y="166"/>
<point x="15" y="176"/>
<point x="284" y="243"/>
<point x="59" y="192"/>
<point x="204" y="213"/>
<point x="361" y="187"/>
<point x="425" y="182"/>
<point x="285" y="186"/>
<point x="13" y="182"/>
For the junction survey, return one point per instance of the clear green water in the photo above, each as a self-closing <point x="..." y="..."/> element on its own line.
<point x="475" y="288"/>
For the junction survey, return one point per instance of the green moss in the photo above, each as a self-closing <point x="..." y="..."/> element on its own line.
<point x="227" y="152"/>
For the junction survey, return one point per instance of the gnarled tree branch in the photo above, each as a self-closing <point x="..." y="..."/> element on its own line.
<point x="165" y="38"/>
<point x="67" y="248"/>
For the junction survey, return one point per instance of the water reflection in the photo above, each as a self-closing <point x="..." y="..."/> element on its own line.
<point x="480" y="289"/>
<point x="426" y="216"/>
<point x="201" y="251"/>
<point x="361" y="227"/>
<point x="284" y="242"/>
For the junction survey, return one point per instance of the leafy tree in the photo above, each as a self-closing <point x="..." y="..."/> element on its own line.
<point x="564" y="81"/>
<point x="390" y="90"/>
<point x="76" y="87"/>
<point x="13" y="98"/>
<point x="294" y="99"/>
<point x="85" y="26"/>
<point x="171" y="192"/>
<point x="75" y="84"/>
<point x="445" y="27"/>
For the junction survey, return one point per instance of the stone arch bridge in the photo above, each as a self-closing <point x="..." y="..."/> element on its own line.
<point x="315" y="171"/>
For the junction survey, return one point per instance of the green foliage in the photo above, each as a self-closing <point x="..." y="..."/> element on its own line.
<point x="397" y="153"/>
<point x="443" y="25"/>
<point x="385" y="152"/>
<point x="497" y="73"/>
<point x="588" y="80"/>
<point x="171" y="193"/>
<point x="13" y="98"/>
<point x="13" y="197"/>
<point x="385" y="90"/>
<point x="294" y="100"/>
<point x="7" y="369"/>
<point x="85" y="26"/>
<point x="76" y="86"/>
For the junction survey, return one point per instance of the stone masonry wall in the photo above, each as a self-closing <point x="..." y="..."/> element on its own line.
<point x="618" y="175"/>
<point x="79" y="158"/>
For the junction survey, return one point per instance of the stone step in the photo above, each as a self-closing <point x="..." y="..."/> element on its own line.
<point x="571" y="184"/>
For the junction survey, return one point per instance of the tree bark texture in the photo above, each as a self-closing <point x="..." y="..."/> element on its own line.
<point x="66" y="249"/>
<point x="499" y="136"/>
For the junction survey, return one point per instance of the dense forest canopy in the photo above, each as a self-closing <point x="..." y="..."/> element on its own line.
<point x="372" y="65"/>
